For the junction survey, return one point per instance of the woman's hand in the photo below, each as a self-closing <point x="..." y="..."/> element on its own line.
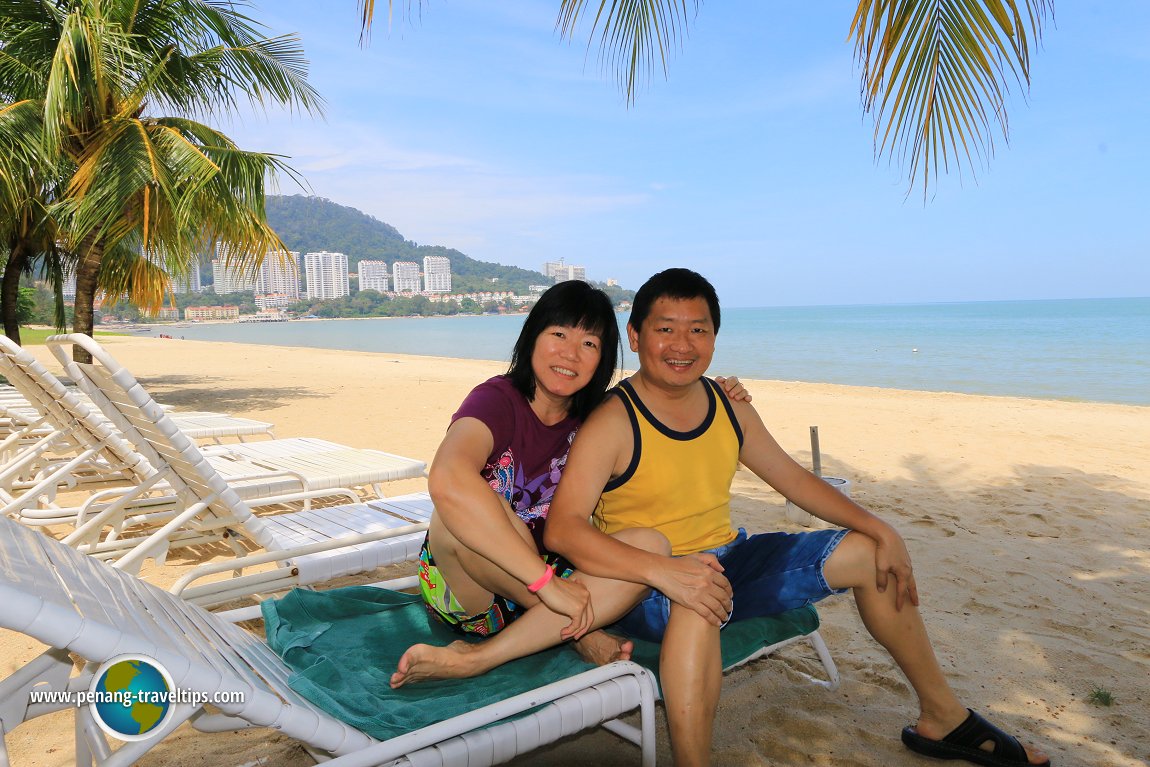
<point x="697" y="581"/>
<point x="571" y="598"/>
<point x="892" y="560"/>
<point x="733" y="388"/>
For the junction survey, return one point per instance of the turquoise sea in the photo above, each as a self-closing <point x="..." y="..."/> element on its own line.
<point x="1085" y="349"/>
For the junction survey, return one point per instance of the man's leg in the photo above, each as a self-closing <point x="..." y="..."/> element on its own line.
<point x="902" y="633"/>
<point x="691" y="673"/>
<point x="538" y="628"/>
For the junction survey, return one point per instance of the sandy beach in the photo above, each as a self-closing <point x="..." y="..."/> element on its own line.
<point x="1028" y="521"/>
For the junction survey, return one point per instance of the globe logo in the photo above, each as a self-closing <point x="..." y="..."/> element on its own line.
<point x="131" y="697"/>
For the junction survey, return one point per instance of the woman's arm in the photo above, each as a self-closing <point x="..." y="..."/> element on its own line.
<point x="475" y="515"/>
<point x="468" y="507"/>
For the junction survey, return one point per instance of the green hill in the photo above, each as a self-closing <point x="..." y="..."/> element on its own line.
<point x="308" y="224"/>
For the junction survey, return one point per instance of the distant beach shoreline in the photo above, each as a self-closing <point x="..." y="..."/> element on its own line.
<point x="1074" y="350"/>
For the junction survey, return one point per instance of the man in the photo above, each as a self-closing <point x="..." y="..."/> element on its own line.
<point x="661" y="456"/>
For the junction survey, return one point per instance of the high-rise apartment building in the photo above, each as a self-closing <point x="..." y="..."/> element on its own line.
<point x="326" y="275"/>
<point x="561" y="272"/>
<point x="373" y="276"/>
<point x="405" y="277"/>
<point x="190" y="283"/>
<point x="227" y="277"/>
<point x="279" y="274"/>
<point x="437" y="274"/>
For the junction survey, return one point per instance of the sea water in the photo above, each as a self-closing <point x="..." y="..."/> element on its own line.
<point x="1084" y="349"/>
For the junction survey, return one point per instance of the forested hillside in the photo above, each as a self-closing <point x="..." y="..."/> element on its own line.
<point x="308" y="224"/>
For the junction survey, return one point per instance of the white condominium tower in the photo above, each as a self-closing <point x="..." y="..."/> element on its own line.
<point x="279" y="274"/>
<point x="561" y="272"/>
<point x="373" y="276"/>
<point x="437" y="274"/>
<point x="227" y="277"/>
<point x="405" y="277"/>
<point x="326" y="275"/>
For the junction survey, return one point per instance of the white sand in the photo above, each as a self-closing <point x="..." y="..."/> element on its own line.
<point x="1029" y="523"/>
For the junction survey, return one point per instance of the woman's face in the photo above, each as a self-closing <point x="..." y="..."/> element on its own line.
<point x="564" y="360"/>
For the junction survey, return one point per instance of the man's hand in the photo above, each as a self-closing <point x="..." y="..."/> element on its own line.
<point x="571" y="598"/>
<point x="697" y="581"/>
<point x="892" y="561"/>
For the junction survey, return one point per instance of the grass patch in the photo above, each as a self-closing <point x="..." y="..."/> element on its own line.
<point x="37" y="336"/>
<point x="1100" y="696"/>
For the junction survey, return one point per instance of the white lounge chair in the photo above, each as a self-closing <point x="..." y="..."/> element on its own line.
<point x="76" y="604"/>
<point x="320" y="464"/>
<point x="16" y="412"/>
<point x="83" y="441"/>
<point x="198" y="505"/>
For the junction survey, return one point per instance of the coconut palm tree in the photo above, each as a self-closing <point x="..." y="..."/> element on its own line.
<point x="935" y="73"/>
<point x="120" y="84"/>
<point x="26" y="228"/>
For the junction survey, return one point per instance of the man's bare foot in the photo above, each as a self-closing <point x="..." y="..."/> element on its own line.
<point x="602" y="648"/>
<point x="422" y="662"/>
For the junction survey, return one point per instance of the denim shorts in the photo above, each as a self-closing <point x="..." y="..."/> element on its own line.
<point x="770" y="573"/>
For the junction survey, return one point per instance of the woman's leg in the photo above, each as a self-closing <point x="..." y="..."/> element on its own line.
<point x="537" y="629"/>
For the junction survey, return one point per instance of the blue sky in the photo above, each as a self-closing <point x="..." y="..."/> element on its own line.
<point x="473" y="125"/>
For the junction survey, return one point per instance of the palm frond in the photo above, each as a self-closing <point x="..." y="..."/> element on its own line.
<point x="631" y="34"/>
<point x="936" y="75"/>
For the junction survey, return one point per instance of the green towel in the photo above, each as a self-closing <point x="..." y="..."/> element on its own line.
<point x="343" y="645"/>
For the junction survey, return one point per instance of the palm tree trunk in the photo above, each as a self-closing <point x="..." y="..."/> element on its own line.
<point x="10" y="290"/>
<point x="87" y="275"/>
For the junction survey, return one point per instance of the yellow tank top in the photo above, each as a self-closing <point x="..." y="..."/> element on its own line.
<point x="678" y="483"/>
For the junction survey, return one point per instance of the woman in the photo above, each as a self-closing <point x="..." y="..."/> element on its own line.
<point x="483" y="563"/>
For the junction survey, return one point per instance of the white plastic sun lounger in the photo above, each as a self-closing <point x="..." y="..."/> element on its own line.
<point x="201" y="506"/>
<point x="317" y="463"/>
<point x="91" y="443"/>
<point x="76" y="604"/>
<point x="17" y="412"/>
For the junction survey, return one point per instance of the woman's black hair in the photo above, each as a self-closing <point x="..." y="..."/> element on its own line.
<point x="576" y="304"/>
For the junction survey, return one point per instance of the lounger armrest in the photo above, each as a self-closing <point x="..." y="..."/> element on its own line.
<point x="275" y="556"/>
<point x="306" y="495"/>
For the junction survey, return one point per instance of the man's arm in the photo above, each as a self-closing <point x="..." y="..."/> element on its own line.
<point x="767" y="459"/>
<point x="602" y="449"/>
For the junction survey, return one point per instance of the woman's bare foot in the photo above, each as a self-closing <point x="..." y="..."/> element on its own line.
<point x="422" y="662"/>
<point x="602" y="648"/>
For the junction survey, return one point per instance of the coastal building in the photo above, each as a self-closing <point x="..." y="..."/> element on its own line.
<point x="373" y="276"/>
<point x="436" y="274"/>
<point x="276" y="300"/>
<point x="201" y="313"/>
<point x="179" y="283"/>
<point x="279" y="274"/>
<point x="69" y="288"/>
<point x="561" y="272"/>
<point x="165" y="313"/>
<point x="189" y="283"/>
<point x="405" y="277"/>
<point x="227" y="275"/>
<point x="326" y="275"/>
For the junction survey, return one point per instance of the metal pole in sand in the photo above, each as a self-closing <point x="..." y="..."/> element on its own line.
<point x="816" y="458"/>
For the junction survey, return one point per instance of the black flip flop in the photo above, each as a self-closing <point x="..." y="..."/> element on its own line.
<point x="964" y="743"/>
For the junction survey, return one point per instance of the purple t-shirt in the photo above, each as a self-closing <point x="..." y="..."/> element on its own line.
<point x="527" y="455"/>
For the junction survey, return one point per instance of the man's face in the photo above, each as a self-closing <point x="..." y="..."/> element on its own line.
<point x="676" y="342"/>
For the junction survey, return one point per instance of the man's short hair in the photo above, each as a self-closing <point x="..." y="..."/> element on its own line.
<point x="675" y="283"/>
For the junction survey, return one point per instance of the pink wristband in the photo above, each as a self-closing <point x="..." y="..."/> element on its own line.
<point x="543" y="580"/>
